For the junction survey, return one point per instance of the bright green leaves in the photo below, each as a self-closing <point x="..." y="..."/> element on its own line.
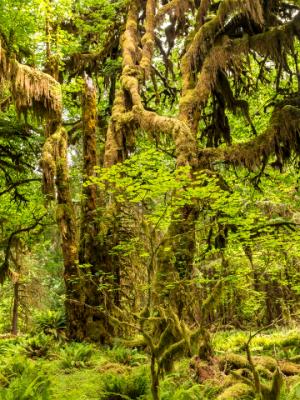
<point x="17" y="24"/>
<point x="149" y="180"/>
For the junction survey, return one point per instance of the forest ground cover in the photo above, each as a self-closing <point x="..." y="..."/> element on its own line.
<point x="42" y="367"/>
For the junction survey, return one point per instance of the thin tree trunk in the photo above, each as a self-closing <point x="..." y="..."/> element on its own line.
<point x="15" y="310"/>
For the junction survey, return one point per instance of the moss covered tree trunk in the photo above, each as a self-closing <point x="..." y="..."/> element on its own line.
<point x="75" y="299"/>
<point x="56" y="186"/>
<point x="93" y="256"/>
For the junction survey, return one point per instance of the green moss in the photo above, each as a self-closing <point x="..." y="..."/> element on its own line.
<point x="235" y="341"/>
<point x="232" y="361"/>
<point x="82" y="384"/>
<point x="238" y="391"/>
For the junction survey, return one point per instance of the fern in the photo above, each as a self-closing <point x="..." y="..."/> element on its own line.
<point x="76" y="355"/>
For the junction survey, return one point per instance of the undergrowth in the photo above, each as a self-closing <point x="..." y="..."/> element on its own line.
<point x="40" y="368"/>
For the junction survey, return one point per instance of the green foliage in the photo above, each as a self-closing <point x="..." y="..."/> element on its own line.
<point x="131" y="386"/>
<point x="76" y="355"/>
<point x="51" y="323"/>
<point x="194" y="392"/>
<point x="11" y="346"/>
<point x="38" y="346"/>
<point x="293" y="393"/>
<point x="285" y="343"/>
<point x="15" y="366"/>
<point x="18" y="24"/>
<point x="124" y="355"/>
<point x="23" y="380"/>
<point x="246" y="225"/>
<point x="27" y="387"/>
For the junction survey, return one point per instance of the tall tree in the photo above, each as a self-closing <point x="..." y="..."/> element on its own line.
<point x="178" y="73"/>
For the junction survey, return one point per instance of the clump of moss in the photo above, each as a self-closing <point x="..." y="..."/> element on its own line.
<point x="232" y="361"/>
<point x="237" y="391"/>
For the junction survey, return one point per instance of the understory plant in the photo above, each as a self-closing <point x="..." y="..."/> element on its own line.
<point x="38" y="346"/>
<point x="51" y="323"/>
<point x="126" y="356"/>
<point x="76" y="355"/>
<point x="21" y="379"/>
<point x="134" y="385"/>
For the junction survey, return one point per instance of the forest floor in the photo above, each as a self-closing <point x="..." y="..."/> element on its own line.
<point x="41" y="368"/>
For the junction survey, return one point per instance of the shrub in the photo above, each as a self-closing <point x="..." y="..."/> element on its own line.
<point x="192" y="393"/>
<point x="38" y="346"/>
<point x="171" y="389"/>
<point x="126" y="356"/>
<point x="137" y="384"/>
<point x="28" y="386"/>
<point x="113" y="386"/>
<point x="76" y="355"/>
<point x="22" y="380"/>
<point x="13" y="367"/>
<point x="12" y="345"/>
<point x="51" y="323"/>
<point x="129" y="386"/>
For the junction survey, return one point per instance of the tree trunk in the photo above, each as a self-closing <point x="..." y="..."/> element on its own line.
<point x="92" y="256"/>
<point x="75" y="300"/>
<point x="15" y="310"/>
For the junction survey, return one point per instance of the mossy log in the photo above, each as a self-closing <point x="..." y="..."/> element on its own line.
<point x="264" y="364"/>
<point x="237" y="391"/>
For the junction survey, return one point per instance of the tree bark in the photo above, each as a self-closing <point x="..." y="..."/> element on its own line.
<point x="93" y="256"/>
<point x="15" y="310"/>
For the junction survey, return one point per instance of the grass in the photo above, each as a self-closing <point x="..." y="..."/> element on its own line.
<point x="82" y="384"/>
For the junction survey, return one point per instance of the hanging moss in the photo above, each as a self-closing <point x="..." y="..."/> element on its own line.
<point x="184" y="139"/>
<point x="120" y="130"/>
<point x="202" y="12"/>
<point x="120" y="127"/>
<point x="219" y="55"/>
<point x="203" y="39"/>
<point x="35" y="91"/>
<point x="280" y="139"/>
<point x="89" y="229"/>
<point x="278" y="41"/>
<point x="32" y="90"/>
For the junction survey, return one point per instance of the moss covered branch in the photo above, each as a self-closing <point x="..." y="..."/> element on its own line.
<point x="148" y="39"/>
<point x="176" y="7"/>
<point x="204" y="37"/>
<point x="273" y="44"/>
<point x="281" y="138"/>
<point x="35" y="91"/>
